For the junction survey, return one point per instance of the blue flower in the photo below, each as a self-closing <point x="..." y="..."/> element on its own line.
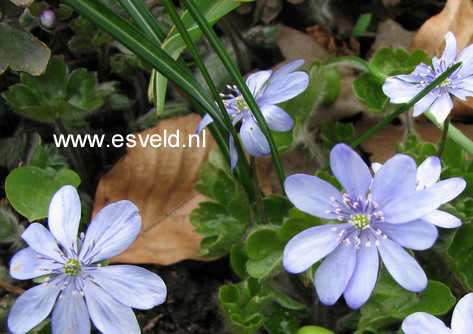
<point x="402" y="88"/>
<point x="377" y="215"/>
<point x="428" y="175"/>
<point x="268" y="89"/>
<point x="76" y="286"/>
<point x="424" y="323"/>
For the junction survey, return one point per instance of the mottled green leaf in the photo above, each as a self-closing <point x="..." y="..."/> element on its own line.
<point x="21" y="51"/>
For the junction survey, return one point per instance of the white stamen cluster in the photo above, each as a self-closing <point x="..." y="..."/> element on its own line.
<point x="363" y="215"/>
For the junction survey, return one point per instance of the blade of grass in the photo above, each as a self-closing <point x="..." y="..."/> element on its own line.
<point x="405" y="106"/>
<point x="144" y="19"/>
<point x="240" y="83"/>
<point x="132" y="38"/>
<point x="242" y="164"/>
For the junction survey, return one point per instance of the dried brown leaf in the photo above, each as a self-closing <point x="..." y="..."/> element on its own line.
<point x="159" y="181"/>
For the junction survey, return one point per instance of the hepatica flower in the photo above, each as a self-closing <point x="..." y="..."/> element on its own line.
<point x="77" y="286"/>
<point x="377" y="215"/>
<point x="402" y="88"/>
<point x="268" y="89"/>
<point x="424" y="323"/>
<point x="428" y="174"/>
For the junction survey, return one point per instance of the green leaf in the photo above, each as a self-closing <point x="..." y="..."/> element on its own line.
<point x="333" y="133"/>
<point x="460" y="252"/>
<point x="86" y="37"/>
<point x="417" y="149"/>
<point x="219" y="228"/>
<point x="362" y="24"/>
<point x="313" y="330"/>
<point x="367" y="89"/>
<point x="398" y="61"/>
<point x="277" y="208"/>
<point x="238" y="259"/>
<point x="174" y="44"/>
<point x="297" y="222"/>
<point x="21" y="51"/>
<point x="30" y="189"/>
<point x="388" y="62"/>
<point x="264" y="249"/>
<point x="242" y="304"/>
<point x="56" y="93"/>
<point x="390" y="303"/>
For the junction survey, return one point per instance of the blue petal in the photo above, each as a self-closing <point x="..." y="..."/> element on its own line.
<point x="450" y="51"/>
<point x="131" y="285"/>
<point x="284" y="88"/>
<point x="417" y="234"/>
<point x="287" y="68"/>
<point x="233" y="153"/>
<point x="402" y="267"/>
<point x="42" y="241"/>
<point x="449" y="189"/>
<point x="461" y="93"/>
<point x="411" y="206"/>
<point x="395" y="178"/>
<point x="332" y="276"/>
<point x="442" y="219"/>
<point x="277" y="119"/>
<point x="111" y="232"/>
<point x="70" y="315"/>
<point x="253" y="139"/>
<point x="424" y="323"/>
<point x="107" y="314"/>
<point x="32" y="307"/>
<point x="466" y="57"/>
<point x="27" y="264"/>
<point x="399" y="91"/>
<point x="350" y="170"/>
<point x="442" y="107"/>
<point x="310" y="246"/>
<point x="425" y="102"/>
<point x="428" y="172"/>
<point x="313" y="195"/>
<point x="206" y="120"/>
<point x="364" y="276"/>
<point x="64" y="218"/>
<point x="462" y="318"/>
<point x="256" y="81"/>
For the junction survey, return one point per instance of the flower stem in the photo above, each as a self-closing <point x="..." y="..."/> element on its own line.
<point x="443" y="140"/>
<point x="456" y="135"/>
<point x="257" y="190"/>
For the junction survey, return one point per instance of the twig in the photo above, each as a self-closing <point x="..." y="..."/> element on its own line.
<point x="11" y="288"/>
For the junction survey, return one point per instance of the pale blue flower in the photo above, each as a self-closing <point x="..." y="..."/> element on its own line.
<point x="402" y="88"/>
<point x="268" y="89"/>
<point x="424" y="323"/>
<point x="377" y="215"/>
<point x="76" y="286"/>
<point x="428" y="175"/>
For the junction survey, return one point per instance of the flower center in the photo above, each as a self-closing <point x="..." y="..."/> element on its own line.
<point x="445" y="83"/>
<point x="241" y="103"/>
<point x="360" y="221"/>
<point x="72" y="267"/>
